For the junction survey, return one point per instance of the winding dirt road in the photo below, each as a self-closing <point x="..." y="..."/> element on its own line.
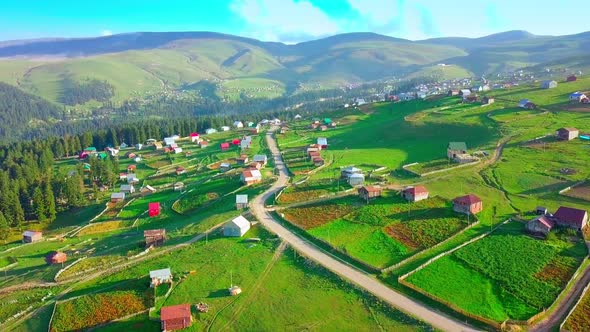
<point x="363" y="280"/>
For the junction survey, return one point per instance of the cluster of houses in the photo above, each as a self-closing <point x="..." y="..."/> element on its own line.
<point x="313" y="151"/>
<point x="354" y="176"/>
<point x="322" y="125"/>
<point x="564" y="217"/>
<point x="252" y="174"/>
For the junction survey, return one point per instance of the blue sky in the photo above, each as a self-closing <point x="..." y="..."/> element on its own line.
<point x="290" y="20"/>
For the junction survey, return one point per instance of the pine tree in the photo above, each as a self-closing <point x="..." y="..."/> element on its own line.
<point x="4" y="228"/>
<point x="39" y="205"/>
<point x="49" y="200"/>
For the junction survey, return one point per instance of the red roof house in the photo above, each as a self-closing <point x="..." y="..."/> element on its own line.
<point x="154" y="209"/>
<point x="224" y="146"/>
<point x="131" y="168"/>
<point x="571" y="217"/>
<point x="469" y="204"/>
<point x="236" y="142"/>
<point x="368" y="192"/>
<point x="540" y="225"/>
<point x="56" y="257"/>
<point x="204" y="144"/>
<point x="415" y="194"/>
<point x="571" y="78"/>
<point x="180" y="170"/>
<point x="176" y="317"/>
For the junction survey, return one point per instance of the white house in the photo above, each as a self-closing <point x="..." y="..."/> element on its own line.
<point x="465" y="93"/>
<point x="177" y="150"/>
<point x="264" y="121"/>
<point x="237" y="227"/>
<point x="241" y="201"/>
<point x="123" y="145"/>
<point x="132" y="178"/>
<point x="211" y="131"/>
<point x="225" y="128"/>
<point x="127" y="189"/>
<point x="297" y="117"/>
<point x="238" y="124"/>
<point x="138" y="146"/>
<point x="246" y="142"/>
<point x="113" y="152"/>
<point x="322" y="141"/>
<point x="137" y="159"/>
<point x="251" y="176"/>
<point x="260" y="158"/>
<point x="158" y="277"/>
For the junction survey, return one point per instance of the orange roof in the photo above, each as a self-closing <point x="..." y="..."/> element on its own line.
<point x="175" y="312"/>
<point x="372" y="189"/>
<point x="467" y="199"/>
<point x="416" y="190"/>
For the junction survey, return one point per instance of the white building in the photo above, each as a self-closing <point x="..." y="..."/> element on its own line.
<point x="127" y="189"/>
<point x="356" y="179"/>
<point x="237" y="227"/>
<point x="211" y="131"/>
<point x="169" y="141"/>
<point x="158" y="277"/>
<point x="238" y="124"/>
<point x="225" y="128"/>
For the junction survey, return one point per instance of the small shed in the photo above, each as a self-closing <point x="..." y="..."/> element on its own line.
<point x="541" y="210"/>
<point x="224" y="167"/>
<point x="210" y="131"/>
<point x="56" y="257"/>
<point x="234" y="290"/>
<point x="323" y="142"/>
<point x="176" y="317"/>
<point x="127" y="189"/>
<point x="203" y="144"/>
<point x="241" y="202"/>
<point x="238" y="124"/>
<point x="177" y="150"/>
<point x="487" y="100"/>
<point x="356" y="179"/>
<point x="32" y="236"/>
<point x="242" y="159"/>
<point x="415" y="193"/>
<point x="138" y="146"/>
<point x="567" y="134"/>
<point x="154" y="237"/>
<point x="349" y="171"/>
<point x="236" y="227"/>
<point x="225" y="128"/>
<point x="158" y="277"/>
<point x="235" y="142"/>
<point x="154" y="209"/>
<point x="548" y="84"/>
<point x="540" y="225"/>
<point x="147" y="190"/>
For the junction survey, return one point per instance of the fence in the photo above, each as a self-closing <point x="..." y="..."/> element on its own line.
<point x="561" y="329"/>
<point x="405" y="168"/>
<point x="67" y="267"/>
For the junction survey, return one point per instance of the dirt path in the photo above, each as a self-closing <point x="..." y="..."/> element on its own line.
<point x="558" y="315"/>
<point x="347" y="272"/>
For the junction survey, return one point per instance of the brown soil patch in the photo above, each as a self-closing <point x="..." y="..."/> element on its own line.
<point x="402" y="234"/>
<point x="581" y="192"/>
<point x="315" y="216"/>
<point x="557" y="272"/>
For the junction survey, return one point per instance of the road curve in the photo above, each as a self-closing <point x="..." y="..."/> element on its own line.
<point x="364" y="281"/>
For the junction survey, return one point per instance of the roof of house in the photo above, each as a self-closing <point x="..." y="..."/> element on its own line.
<point x="322" y="141"/>
<point x="154" y="205"/>
<point x="372" y="189"/>
<point x="241" y="199"/>
<point x="416" y="190"/>
<point x="150" y="188"/>
<point x="126" y="187"/>
<point x="467" y="199"/>
<point x="259" y="157"/>
<point x="179" y="168"/>
<point x="457" y="146"/>
<point x="567" y="129"/>
<point x="154" y="232"/>
<point x="225" y="145"/>
<point x="118" y="195"/>
<point x="352" y="169"/>
<point x="161" y="274"/>
<point x="225" y="165"/>
<point x="241" y="222"/>
<point x="357" y="176"/>
<point x="31" y="233"/>
<point x="543" y="220"/>
<point x="179" y="184"/>
<point x="194" y="135"/>
<point x="175" y="312"/>
<point x="570" y="215"/>
<point x="252" y="173"/>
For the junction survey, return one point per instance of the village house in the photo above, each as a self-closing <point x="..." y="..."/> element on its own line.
<point x="238" y="124"/>
<point x="176" y="317"/>
<point x="123" y="145"/>
<point x="246" y="142"/>
<point x="154" y="237"/>
<point x="470" y="99"/>
<point x="224" y="146"/>
<point x="194" y="137"/>
<point x="456" y="148"/>
<point x="132" y="178"/>
<point x="526" y="104"/>
<point x="323" y="142"/>
<point x="225" y="128"/>
<point x="453" y="92"/>
<point x="180" y="170"/>
<point x="117" y="197"/>
<point x="577" y="97"/>
<point x="203" y="144"/>
<point x="284" y="129"/>
<point x="138" y="146"/>
<point x="464" y="93"/>
<point x="56" y="257"/>
<point x="127" y="189"/>
<point x="154" y="209"/>
<point x="347" y="172"/>
<point x="147" y="190"/>
<point x="571" y="217"/>
<point x="241" y="202"/>
<point x="251" y="176"/>
<point x="169" y="141"/>
<point x="548" y="84"/>
<point x="540" y="225"/>
<point x="158" y="277"/>
<point x="469" y="204"/>
<point x="540" y="210"/>
<point x="210" y="131"/>
<point x="256" y="166"/>
<point x="177" y="150"/>
<point x="131" y="155"/>
<point x="369" y="192"/>
<point x="158" y="146"/>
<point x="237" y="227"/>
<point x="297" y="117"/>
<point x="487" y="100"/>
<point x="567" y="134"/>
<point x="356" y="179"/>
<point x="314" y="126"/>
<point x="571" y="78"/>
<point x="178" y="186"/>
<point x="224" y="167"/>
<point x="242" y="159"/>
<point x="318" y="161"/>
<point x="323" y="128"/>
<point x="131" y="168"/>
<point x="415" y="193"/>
<point x="261" y="159"/>
<point x="32" y="236"/>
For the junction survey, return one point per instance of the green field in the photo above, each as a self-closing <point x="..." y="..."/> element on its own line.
<point x="514" y="276"/>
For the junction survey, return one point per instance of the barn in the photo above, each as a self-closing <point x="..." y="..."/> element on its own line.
<point x="237" y="227"/>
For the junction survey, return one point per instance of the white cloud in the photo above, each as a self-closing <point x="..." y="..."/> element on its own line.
<point x="377" y="12"/>
<point x="284" y="20"/>
<point x="105" y="33"/>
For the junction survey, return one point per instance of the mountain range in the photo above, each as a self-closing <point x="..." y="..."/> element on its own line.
<point x="136" y="65"/>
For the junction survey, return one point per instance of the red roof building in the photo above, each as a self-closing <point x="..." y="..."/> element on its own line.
<point x="468" y="204"/>
<point x="180" y="170"/>
<point x="571" y="78"/>
<point x="56" y="257"/>
<point x="224" y="146"/>
<point x="236" y="142"/>
<point x="368" y="192"/>
<point x="541" y="225"/>
<point x="131" y="168"/>
<point x="176" y="317"/>
<point x="415" y="194"/>
<point x="571" y="217"/>
<point x="154" y="209"/>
